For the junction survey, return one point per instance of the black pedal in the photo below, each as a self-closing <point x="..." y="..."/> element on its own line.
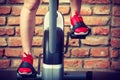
<point x="77" y="36"/>
<point x="28" y="77"/>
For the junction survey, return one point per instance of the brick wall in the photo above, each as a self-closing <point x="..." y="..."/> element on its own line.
<point x="99" y="51"/>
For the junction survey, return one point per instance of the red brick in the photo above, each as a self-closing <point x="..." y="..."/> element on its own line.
<point x="1" y="52"/>
<point x="5" y="10"/>
<point x="72" y="42"/>
<point x="39" y="20"/>
<point x="13" y="21"/>
<point x="39" y="31"/>
<point x="116" y="10"/>
<point x="42" y="10"/>
<point x="114" y="53"/>
<point x="100" y="30"/>
<point x="101" y="9"/>
<point x="115" y="21"/>
<point x="17" y="31"/>
<point x="94" y="41"/>
<point x="115" y="42"/>
<point x="97" y="64"/>
<point x="37" y="41"/>
<point x="115" y="65"/>
<point x="14" y="41"/>
<point x="97" y="1"/>
<point x="38" y="51"/>
<point x="9" y="31"/>
<point x="4" y="63"/>
<point x="6" y="31"/>
<point x="86" y="10"/>
<point x="80" y="52"/>
<point x="99" y="52"/>
<point x="2" y="21"/>
<point x="3" y="42"/>
<point x="116" y="32"/>
<point x="13" y="52"/>
<point x="64" y="9"/>
<point x="96" y="20"/>
<point x="16" y="1"/>
<point x="2" y="31"/>
<point x="16" y="10"/>
<point x="72" y="64"/>
<point x="15" y="63"/>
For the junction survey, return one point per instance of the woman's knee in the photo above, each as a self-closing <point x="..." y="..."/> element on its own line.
<point x="31" y="4"/>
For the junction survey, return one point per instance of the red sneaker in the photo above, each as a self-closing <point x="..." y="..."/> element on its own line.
<point x="26" y="67"/>
<point x="77" y="25"/>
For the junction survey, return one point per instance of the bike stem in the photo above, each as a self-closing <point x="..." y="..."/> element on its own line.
<point x="52" y="23"/>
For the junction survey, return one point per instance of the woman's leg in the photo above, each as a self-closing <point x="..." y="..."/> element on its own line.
<point x="27" y="24"/>
<point x="75" y="6"/>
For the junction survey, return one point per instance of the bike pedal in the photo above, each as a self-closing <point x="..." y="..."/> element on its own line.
<point x="77" y="36"/>
<point x="27" y="77"/>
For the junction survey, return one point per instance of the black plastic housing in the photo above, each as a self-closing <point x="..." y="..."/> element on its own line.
<point x="57" y="57"/>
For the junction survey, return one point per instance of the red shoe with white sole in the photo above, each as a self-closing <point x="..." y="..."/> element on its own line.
<point x="26" y="67"/>
<point x="77" y="25"/>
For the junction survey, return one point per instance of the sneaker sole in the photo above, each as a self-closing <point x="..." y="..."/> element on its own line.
<point x="25" y="73"/>
<point x="81" y="33"/>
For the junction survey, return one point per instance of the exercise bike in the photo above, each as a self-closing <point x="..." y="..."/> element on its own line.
<point x="53" y="49"/>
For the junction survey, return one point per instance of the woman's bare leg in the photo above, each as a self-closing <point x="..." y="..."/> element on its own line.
<point x="27" y="23"/>
<point x="75" y="6"/>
